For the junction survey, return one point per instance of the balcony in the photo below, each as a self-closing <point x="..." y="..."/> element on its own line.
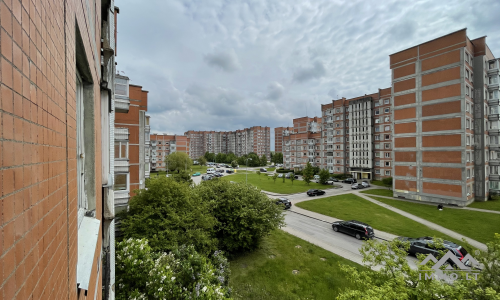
<point x="121" y="166"/>
<point x="493" y="116"/>
<point x="494" y="147"/>
<point x="493" y="68"/>
<point x="493" y="102"/>
<point x="121" y="134"/>
<point x="494" y="162"/>
<point x="494" y="131"/>
<point x="147" y="173"/>
<point x="494" y="177"/>
<point x="122" y="105"/>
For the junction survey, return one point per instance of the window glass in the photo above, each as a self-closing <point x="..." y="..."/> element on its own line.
<point x="120" y="182"/>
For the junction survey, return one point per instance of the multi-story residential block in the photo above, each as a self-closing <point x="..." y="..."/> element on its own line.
<point x="445" y="101"/>
<point x="278" y="139"/>
<point x="56" y="192"/>
<point x="131" y="150"/>
<point x="164" y="144"/>
<point x="302" y="143"/>
<point x="254" y="139"/>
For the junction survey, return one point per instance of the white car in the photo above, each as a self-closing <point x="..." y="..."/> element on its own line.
<point x="210" y="171"/>
<point x="316" y="177"/>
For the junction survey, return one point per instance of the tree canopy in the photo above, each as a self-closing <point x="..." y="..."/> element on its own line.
<point x="178" y="161"/>
<point x="308" y="173"/>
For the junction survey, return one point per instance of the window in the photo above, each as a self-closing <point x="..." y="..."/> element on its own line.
<point x="387" y="146"/>
<point x="387" y="101"/>
<point x="121" y="150"/>
<point x="387" y="173"/>
<point x="467" y="108"/>
<point x="377" y="163"/>
<point x="388" y="154"/>
<point x="387" y="119"/>
<point x="377" y="171"/>
<point x="467" y="73"/>
<point x="387" y="128"/>
<point x="468" y="140"/>
<point x="377" y="129"/>
<point x="377" y="137"/>
<point x="377" y="120"/>
<point x="468" y="173"/>
<point x="80" y="148"/>
<point x="377" y="112"/>
<point x="468" y="190"/>
<point x="387" y="163"/>
<point x="387" y="110"/>
<point x="387" y="136"/>
<point x="377" y="154"/>
<point x="468" y="156"/>
<point x="467" y="123"/>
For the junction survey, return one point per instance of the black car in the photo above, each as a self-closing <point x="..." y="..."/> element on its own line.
<point x="425" y="245"/>
<point x="350" y="180"/>
<point x="357" y="186"/>
<point x="263" y="170"/>
<point x="287" y="176"/>
<point x="315" y="192"/>
<point x="355" y="228"/>
<point x="285" y="202"/>
<point x="333" y="179"/>
<point x="230" y="171"/>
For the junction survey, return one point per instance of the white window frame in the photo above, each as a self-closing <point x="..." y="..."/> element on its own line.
<point x="387" y="154"/>
<point x="80" y="150"/>
<point x="127" y="189"/>
<point x="387" y="164"/>
<point x="387" y="173"/>
<point x="387" y="101"/>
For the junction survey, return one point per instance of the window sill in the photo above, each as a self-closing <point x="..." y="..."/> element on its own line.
<point x="87" y="241"/>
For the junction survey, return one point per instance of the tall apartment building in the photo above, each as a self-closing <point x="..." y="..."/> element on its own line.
<point x="56" y="191"/>
<point x="164" y="144"/>
<point x="302" y="143"/>
<point x="254" y="139"/>
<point x="278" y="139"/>
<point x="446" y="127"/>
<point x="131" y="149"/>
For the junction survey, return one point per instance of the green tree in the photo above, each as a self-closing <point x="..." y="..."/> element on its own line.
<point x="210" y="157"/>
<point x="255" y="162"/>
<point x="234" y="163"/>
<point x="244" y="214"/>
<point x="177" y="161"/>
<point x="184" y="176"/>
<point x="258" y="173"/>
<point x="169" y="214"/>
<point x="277" y="158"/>
<point x="183" y="273"/>
<point x="308" y="173"/>
<point x="263" y="160"/>
<point x="202" y="161"/>
<point x="230" y="157"/>
<point x="395" y="279"/>
<point x="387" y="182"/>
<point x="242" y="160"/>
<point x="220" y="158"/>
<point x="275" y="176"/>
<point x="292" y="178"/>
<point x="323" y="176"/>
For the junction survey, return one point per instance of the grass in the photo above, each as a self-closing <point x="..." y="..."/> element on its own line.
<point x="194" y="168"/>
<point x="480" y="226"/>
<point x="379" y="192"/>
<point x="258" y="276"/>
<point x="271" y="169"/>
<point x="377" y="182"/>
<point x="493" y="204"/>
<point x="266" y="183"/>
<point x="352" y="207"/>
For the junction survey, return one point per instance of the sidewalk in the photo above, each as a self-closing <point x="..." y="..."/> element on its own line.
<point x="431" y="225"/>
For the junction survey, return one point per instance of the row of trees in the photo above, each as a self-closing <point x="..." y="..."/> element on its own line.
<point x="253" y="159"/>
<point x="277" y="157"/>
<point x="174" y="232"/>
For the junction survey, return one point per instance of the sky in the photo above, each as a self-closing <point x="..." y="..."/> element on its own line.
<point x="227" y="65"/>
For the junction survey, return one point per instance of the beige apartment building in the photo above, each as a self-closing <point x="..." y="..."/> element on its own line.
<point x="164" y="144"/>
<point x="302" y="143"/>
<point x="254" y="139"/>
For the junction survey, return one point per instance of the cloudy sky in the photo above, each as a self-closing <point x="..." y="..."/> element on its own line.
<point x="226" y="65"/>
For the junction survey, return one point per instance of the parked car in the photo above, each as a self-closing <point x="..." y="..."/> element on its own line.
<point x="315" y="192"/>
<point x="210" y="170"/>
<point x="263" y="170"/>
<point x="206" y="177"/>
<point x="365" y="184"/>
<point x="333" y="179"/>
<point x="197" y="174"/>
<point x="230" y="171"/>
<point x="290" y="175"/>
<point x="316" y="177"/>
<point x="424" y="245"/>
<point x="280" y="175"/>
<point x="355" y="228"/>
<point x="350" y="180"/>
<point x="357" y="186"/>
<point x="287" y="203"/>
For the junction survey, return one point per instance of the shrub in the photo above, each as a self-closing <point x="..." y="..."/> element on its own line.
<point x="387" y="182"/>
<point x="323" y="176"/>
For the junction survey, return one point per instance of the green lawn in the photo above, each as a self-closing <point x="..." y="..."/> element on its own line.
<point x="266" y="183"/>
<point x="493" y="204"/>
<point x="352" y="207"/>
<point x="194" y="168"/>
<point x="476" y="225"/>
<point x="377" y="182"/>
<point x="379" y="192"/>
<point x="271" y="169"/>
<point x="267" y="272"/>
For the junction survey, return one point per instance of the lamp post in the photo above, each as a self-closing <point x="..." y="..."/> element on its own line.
<point x="246" y="175"/>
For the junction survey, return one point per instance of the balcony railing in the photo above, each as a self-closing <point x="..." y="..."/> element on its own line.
<point x="494" y="177"/>
<point x="493" y="68"/>
<point x="122" y="105"/>
<point x="494" y="162"/>
<point x="121" y="166"/>
<point x="121" y="134"/>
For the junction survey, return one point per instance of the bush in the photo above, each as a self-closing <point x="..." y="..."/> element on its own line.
<point x="244" y="214"/>
<point x="169" y="214"/>
<point x="323" y="176"/>
<point x="387" y="182"/>
<point x="281" y="170"/>
<point x="180" y="274"/>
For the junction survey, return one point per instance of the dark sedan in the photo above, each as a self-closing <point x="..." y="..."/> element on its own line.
<point x="315" y="192"/>
<point x="287" y="203"/>
<point x="425" y="245"/>
<point x="333" y="179"/>
<point x="355" y="228"/>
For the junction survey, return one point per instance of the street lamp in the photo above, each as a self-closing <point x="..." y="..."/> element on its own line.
<point x="246" y="175"/>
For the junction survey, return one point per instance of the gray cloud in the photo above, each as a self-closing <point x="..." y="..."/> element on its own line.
<point x="226" y="61"/>
<point x="225" y="65"/>
<point x="317" y="70"/>
<point x="275" y="91"/>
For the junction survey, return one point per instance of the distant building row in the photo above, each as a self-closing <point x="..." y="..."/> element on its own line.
<point x="435" y="130"/>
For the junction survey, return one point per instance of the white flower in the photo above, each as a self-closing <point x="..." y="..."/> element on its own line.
<point x="204" y="289"/>
<point x="161" y="288"/>
<point x="173" y="278"/>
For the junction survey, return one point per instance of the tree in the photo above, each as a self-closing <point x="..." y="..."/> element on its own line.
<point x="316" y="170"/>
<point x="258" y="173"/>
<point x="308" y="173"/>
<point x="220" y="158"/>
<point x="323" y="176"/>
<point x="275" y="176"/>
<point x="395" y="279"/>
<point x="292" y="177"/>
<point x="210" y="157"/>
<point x="230" y="157"/>
<point x="387" y="182"/>
<point x="277" y="158"/>
<point x="255" y="162"/>
<point x="184" y="176"/>
<point x="263" y="160"/>
<point x="242" y="160"/>
<point x="234" y="163"/>
<point x="183" y="273"/>
<point x="202" y="161"/>
<point x="244" y="214"/>
<point x="177" y="161"/>
<point x="169" y="214"/>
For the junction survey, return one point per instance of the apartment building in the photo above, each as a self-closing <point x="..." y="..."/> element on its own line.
<point x="446" y="124"/>
<point x="302" y="143"/>
<point x="254" y="139"/>
<point x="131" y="149"/>
<point x="164" y="144"/>
<point x="278" y="139"/>
<point x="56" y="192"/>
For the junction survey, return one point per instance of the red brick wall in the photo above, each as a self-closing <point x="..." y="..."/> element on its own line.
<point x="38" y="199"/>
